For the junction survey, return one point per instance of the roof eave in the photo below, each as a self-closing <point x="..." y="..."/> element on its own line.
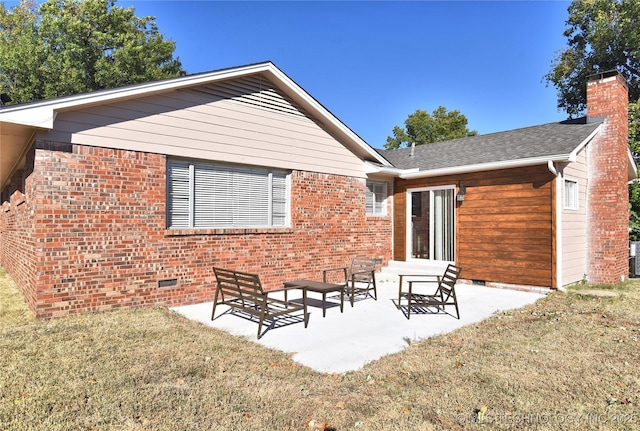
<point x="310" y="103"/>
<point x="372" y="168"/>
<point x="42" y="113"/>
<point x="50" y="106"/>
<point x="492" y="166"/>
<point x="574" y="154"/>
<point x="632" y="168"/>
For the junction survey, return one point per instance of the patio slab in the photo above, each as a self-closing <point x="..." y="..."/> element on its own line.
<point x="343" y="342"/>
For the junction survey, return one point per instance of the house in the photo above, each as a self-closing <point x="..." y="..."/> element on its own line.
<point x="128" y="197"/>
<point x="540" y="206"/>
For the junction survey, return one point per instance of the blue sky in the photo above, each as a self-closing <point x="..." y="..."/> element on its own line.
<point x="373" y="63"/>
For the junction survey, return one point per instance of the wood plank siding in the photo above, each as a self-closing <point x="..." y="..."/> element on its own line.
<point x="504" y="227"/>
<point x="245" y="121"/>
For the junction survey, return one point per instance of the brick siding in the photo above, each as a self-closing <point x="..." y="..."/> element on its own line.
<point x="92" y="235"/>
<point x="18" y="254"/>
<point x="608" y="198"/>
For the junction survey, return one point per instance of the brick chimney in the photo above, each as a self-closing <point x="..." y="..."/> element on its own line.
<point x="607" y="191"/>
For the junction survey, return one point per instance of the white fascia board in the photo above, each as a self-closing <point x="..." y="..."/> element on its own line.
<point x="372" y="168"/>
<point x="36" y="116"/>
<point x="573" y="156"/>
<point x="632" y="170"/>
<point x="308" y="101"/>
<point x="42" y="113"/>
<point x="493" y="166"/>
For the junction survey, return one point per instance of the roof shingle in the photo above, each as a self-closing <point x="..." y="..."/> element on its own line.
<point x="546" y="140"/>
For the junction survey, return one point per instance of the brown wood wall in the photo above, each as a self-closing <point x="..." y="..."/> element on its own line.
<point x="504" y="227"/>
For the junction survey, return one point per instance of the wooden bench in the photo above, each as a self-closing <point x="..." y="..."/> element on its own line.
<point x="243" y="291"/>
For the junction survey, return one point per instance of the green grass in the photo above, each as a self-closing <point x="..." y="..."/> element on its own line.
<point x="566" y="362"/>
<point x="623" y="286"/>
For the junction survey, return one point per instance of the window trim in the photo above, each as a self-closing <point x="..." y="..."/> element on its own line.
<point x="383" y="204"/>
<point x="195" y="168"/>
<point x="575" y="192"/>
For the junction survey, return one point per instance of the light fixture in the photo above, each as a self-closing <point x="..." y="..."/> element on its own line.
<point x="461" y="192"/>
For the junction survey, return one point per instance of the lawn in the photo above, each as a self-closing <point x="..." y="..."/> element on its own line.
<point x="569" y="361"/>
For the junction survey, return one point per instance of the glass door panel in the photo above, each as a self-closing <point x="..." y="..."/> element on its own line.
<point x="433" y="224"/>
<point x="443" y="224"/>
<point x="420" y="232"/>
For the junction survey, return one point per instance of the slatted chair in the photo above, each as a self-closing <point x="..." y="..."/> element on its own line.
<point x="362" y="277"/>
<point x="444" y="295"/>
<point x="243" y="291"/>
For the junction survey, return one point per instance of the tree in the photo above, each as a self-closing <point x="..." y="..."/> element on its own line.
<point x="602" y="35"/>
<point x="64" y="47"/>
<point x="422" y="128"/>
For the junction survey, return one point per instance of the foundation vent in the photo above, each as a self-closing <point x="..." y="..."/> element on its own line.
<point x="168" y="282"/>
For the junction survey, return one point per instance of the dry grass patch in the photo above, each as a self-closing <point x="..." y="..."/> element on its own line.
<point x="566" y="362"/>
<point x="13" y="310"/>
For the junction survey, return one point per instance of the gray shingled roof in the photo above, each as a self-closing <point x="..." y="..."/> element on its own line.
<point x="546" y="140"/>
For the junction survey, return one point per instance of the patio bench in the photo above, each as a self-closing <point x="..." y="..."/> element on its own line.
<point x="243" y="291"/>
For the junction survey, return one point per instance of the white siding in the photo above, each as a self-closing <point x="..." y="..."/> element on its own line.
<point x="574" y="224"/>
<point x="244" y="121"/>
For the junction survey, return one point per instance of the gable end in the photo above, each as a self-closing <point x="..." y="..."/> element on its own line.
<point x="256" y="91"/>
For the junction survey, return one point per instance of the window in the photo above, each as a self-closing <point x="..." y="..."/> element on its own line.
<point x="218" y="195"/>
<point x="376" y="196"/>
<point x="570" y="194"/>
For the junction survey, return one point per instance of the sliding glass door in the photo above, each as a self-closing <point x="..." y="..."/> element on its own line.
<point x="431" y="216"/>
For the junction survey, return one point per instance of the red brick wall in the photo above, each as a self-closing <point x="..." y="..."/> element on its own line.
<point x="103" y="244"/>
<point x="607" y="189"/>
<point x="18" y="253"/>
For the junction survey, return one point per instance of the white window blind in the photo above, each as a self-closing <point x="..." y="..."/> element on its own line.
<point x="376" y="195"/>
<point x="217" y="195"/>
<point x="179" y="179"/>
<point x="570" y="194"/>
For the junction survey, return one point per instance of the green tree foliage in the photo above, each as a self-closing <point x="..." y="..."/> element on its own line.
<point x="64" y="47"/>
<point x="422" y="128"/>
<point x="602" y="35"/>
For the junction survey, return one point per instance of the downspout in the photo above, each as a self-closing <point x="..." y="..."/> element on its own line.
<point x="558" y="227"/>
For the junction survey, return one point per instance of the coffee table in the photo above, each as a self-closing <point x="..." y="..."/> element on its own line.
<point x="320" y="287"/>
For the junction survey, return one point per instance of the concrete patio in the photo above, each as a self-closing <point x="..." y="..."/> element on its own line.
<point x="343" y="342"/>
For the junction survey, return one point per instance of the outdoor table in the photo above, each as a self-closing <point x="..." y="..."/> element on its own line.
<point x="319" y="287"/>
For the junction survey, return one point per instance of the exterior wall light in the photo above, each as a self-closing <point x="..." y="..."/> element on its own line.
<point x="461" y="192"/>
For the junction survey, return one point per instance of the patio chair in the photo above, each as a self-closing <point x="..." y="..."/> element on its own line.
<point x="362" y="277"/>
<point x="444" y="294"/>
<point x="243" y="291"/>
